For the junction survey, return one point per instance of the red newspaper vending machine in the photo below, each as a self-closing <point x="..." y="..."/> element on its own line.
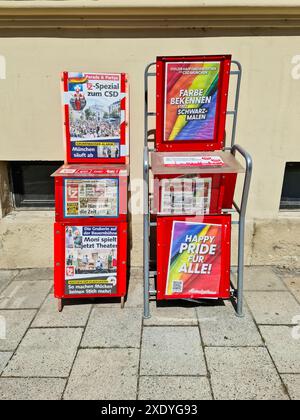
<point x="91" y="228"/>
<point x="194" y="180"/>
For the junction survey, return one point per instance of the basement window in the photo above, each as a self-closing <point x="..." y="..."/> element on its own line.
<point x="290" y="196"/>
<point x="31" y="184"/>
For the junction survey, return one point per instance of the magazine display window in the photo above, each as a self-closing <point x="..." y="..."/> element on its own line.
<point x="191" y="207"/>
<point x="191" y="102"/>
<point x="91" y="223"/>
<point x="95" y="117"/>
<point x="90" y="260"/>
<point x="91" y="192"/>
<point x="194" y="182"/>
<point x="193" y="258"/>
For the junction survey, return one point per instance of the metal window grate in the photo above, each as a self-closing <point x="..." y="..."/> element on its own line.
<point x="31" y="184"/>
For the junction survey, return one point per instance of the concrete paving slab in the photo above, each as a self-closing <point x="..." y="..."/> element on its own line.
<point x="25" y="294"/>
<point x="104" y="302"/>
<point x="4" y="358"/>
<point x="136" y="272"/>
<point x="262" y="279"/>
<point x="45" y="353"/>
<point x="31" y="388"/>
<point x="6" y="276"/>
<point x="72" y="315"/>
<point x="292" y="382"/>
<point x="172" y="359"/>
<point x="221" y="327"/>
<point x="243" y="374"/>
<point x="107" y="302"/>
<point x="134" y="298"/>
<point x="16" y="324"/>
<point x="283" y="346"/>
<point x="3" y="284"/>
<point x="172" y="351"/>
<point x="273" y="307"/>
<point x="113" y="327"/>
<point x="293" y="284"/>
<point x="177" y="388"/>
<point x="35" y="274"/>
<point x="135" y="292"/>
<point x="171" y="314"/>
<point x="104" y="374"/>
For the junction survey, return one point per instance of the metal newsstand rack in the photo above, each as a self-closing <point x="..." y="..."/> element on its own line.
<point x="240" y="210"/>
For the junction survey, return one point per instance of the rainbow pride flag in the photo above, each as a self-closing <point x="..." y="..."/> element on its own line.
<point x="195" y="259"/>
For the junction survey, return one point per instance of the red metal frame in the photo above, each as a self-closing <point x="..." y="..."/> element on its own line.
<point x="229" y="188"/>
<point x="164" y="234"/>
<point x="123" y="127"/>
<point x="59" y="201"/>
<point x="216" y="143"/>
<point x="59" y="260"/>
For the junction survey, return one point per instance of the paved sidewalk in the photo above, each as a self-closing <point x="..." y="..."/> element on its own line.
<point x="98" y="351"/>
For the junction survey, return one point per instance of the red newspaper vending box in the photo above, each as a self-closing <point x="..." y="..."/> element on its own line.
<point x="193" y="176"/>
<point x="193" y="183"/>
<point x="91" y="231"/>
<point x="95" y="117"/>
<point x="91" y="192"/>
<point x="90" y="260"/>
<point x="193" y="257"/>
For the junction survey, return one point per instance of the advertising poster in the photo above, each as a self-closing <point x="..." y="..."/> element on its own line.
<point x="186" y="195"/>
<point x="195" y="259"/>
<point x="91" y="197"/>
<point x="191" y="93"/>
<point x="91" y="260"/>
<point x="94" y="114"/>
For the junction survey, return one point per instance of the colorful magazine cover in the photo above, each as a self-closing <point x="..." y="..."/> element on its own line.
<point x="91" y="259"/>
<point x="95" y="115"/>
<point x="195" y="259"/>
<point x="191" y="94"/>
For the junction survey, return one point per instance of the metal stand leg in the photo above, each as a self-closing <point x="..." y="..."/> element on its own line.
<point x="60" y="305"/>
<point x="241" y="239"/>
<point x="146" y="198"/>
<point x="122" y="302"/>
<point x="240" y="272"/>
<point x="146" y="237"/>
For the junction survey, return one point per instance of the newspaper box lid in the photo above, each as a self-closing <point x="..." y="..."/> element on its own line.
<point x="164" y="163"/>
<point x="91" y="170"/>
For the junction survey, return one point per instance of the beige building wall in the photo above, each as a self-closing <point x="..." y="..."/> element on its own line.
<point x="268" y="122"/>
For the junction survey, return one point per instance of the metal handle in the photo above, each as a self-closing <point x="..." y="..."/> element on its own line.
<point x="249" y="166"/>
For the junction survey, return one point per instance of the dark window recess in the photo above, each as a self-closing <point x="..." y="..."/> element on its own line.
<point x="32" y="184"/>
<point x="290" y="196"/>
